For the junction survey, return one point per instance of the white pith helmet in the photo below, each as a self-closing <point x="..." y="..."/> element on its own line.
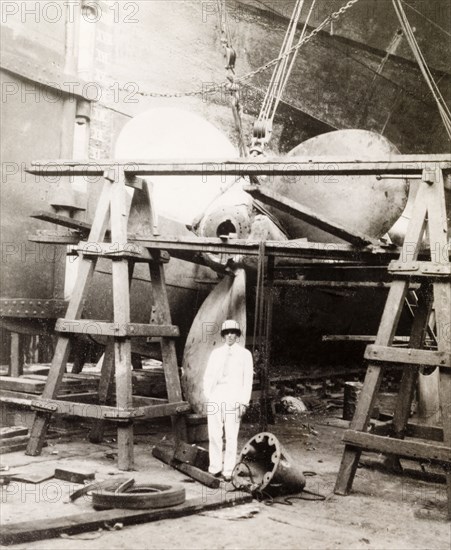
<point x="230" y="324"/>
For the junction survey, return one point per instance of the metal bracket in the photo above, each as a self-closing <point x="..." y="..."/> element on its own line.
<point x="123" y="414"/>
<point x="395" y="266"/>
<point x="44" y="406"/>
<point x="32" y="308"/>
<point x="419" y="268"/>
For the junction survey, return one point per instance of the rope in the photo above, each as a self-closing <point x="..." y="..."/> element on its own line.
<point x="333" y="17"/>
<point x="281" y="66"/>
<point x="280" y="76"/>
<point x="408" y="32"/>
<point x="391" y="50"/>
<point x="427" y="18"/>
<point x="300" y="39"/>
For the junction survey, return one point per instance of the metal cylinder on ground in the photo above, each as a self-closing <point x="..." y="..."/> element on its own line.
<point x="265" y="466"/>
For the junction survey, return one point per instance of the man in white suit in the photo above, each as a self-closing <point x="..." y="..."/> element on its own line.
<point x="227" y="390"/>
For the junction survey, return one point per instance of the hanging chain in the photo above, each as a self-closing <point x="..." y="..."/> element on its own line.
<point x="215" y="88"/>
<point x="233" y="88"/>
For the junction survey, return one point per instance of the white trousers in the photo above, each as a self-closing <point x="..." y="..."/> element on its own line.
<point x="223" y="417"/>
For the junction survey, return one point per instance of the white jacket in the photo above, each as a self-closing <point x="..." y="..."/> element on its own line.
<point x="235" y="385"/>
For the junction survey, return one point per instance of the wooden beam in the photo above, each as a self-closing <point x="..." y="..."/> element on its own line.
<point x="27" y="385"/>
<point x="115" y="251"/>
<point x="331" y="284"/>
<point x="28" y="531"/>
<point x="22" y="399"/>
<point x="64" y="221"/>
<point x="404" y="165"/>
<point x="408" y="356"/>
<point x="398" y="447"/>
<point x="302" y="212"/>
<point x="55" y="238"/>
<point x="359" y="338"/>
<point x="294" y="248"/>
<point x="105" y="412"/>
<point x="101" y="328"/>
<point x="166" y="455"/>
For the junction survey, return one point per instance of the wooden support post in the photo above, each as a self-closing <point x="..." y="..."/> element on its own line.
<point x="410" y="375"/>
<point x="438" y="237"/>
<point x="385" y="335"/>
<point x="265" y="374"/>
<point x="430" y="210"/>
<point x="121" y="303"/>
<point x="106" y="377"/>
<point x="16" y="356"/>
<point x="147" y="187"/>
<point x="169" y="356"/>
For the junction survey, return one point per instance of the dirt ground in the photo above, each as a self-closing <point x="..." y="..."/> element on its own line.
<point x="384" y="511"/>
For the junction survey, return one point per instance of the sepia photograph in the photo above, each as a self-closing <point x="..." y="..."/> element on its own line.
<point x="225" y="277"/>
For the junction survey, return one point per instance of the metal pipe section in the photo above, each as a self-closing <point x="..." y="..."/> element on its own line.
<point x="265" y="466"/>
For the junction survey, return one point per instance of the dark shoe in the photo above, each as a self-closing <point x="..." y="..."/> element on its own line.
<point x="227" y="478"/>
<point x="217" y="474"/>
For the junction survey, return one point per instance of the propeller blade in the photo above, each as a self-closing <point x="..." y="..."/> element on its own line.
<point x="226" y="301"/>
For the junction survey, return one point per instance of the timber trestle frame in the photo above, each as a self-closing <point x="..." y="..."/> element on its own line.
<point x="429" y="213"/>
<point x="434" y="172"/>
<point x="117" y="357"/>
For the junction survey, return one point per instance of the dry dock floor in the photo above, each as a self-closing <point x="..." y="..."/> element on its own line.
<point x="384" y="511"/>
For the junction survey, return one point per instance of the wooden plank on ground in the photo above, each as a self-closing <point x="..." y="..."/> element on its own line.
<point x="73" y="474"/>
<point x="83" y="397"/>
<point x="34" y="478"/>
<point x="166" y="455"/>
<point x="13" y="441"/>
<point x="13" y="448"/>
<point x="12" y="431"/>
<point x="28" y="531"/>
